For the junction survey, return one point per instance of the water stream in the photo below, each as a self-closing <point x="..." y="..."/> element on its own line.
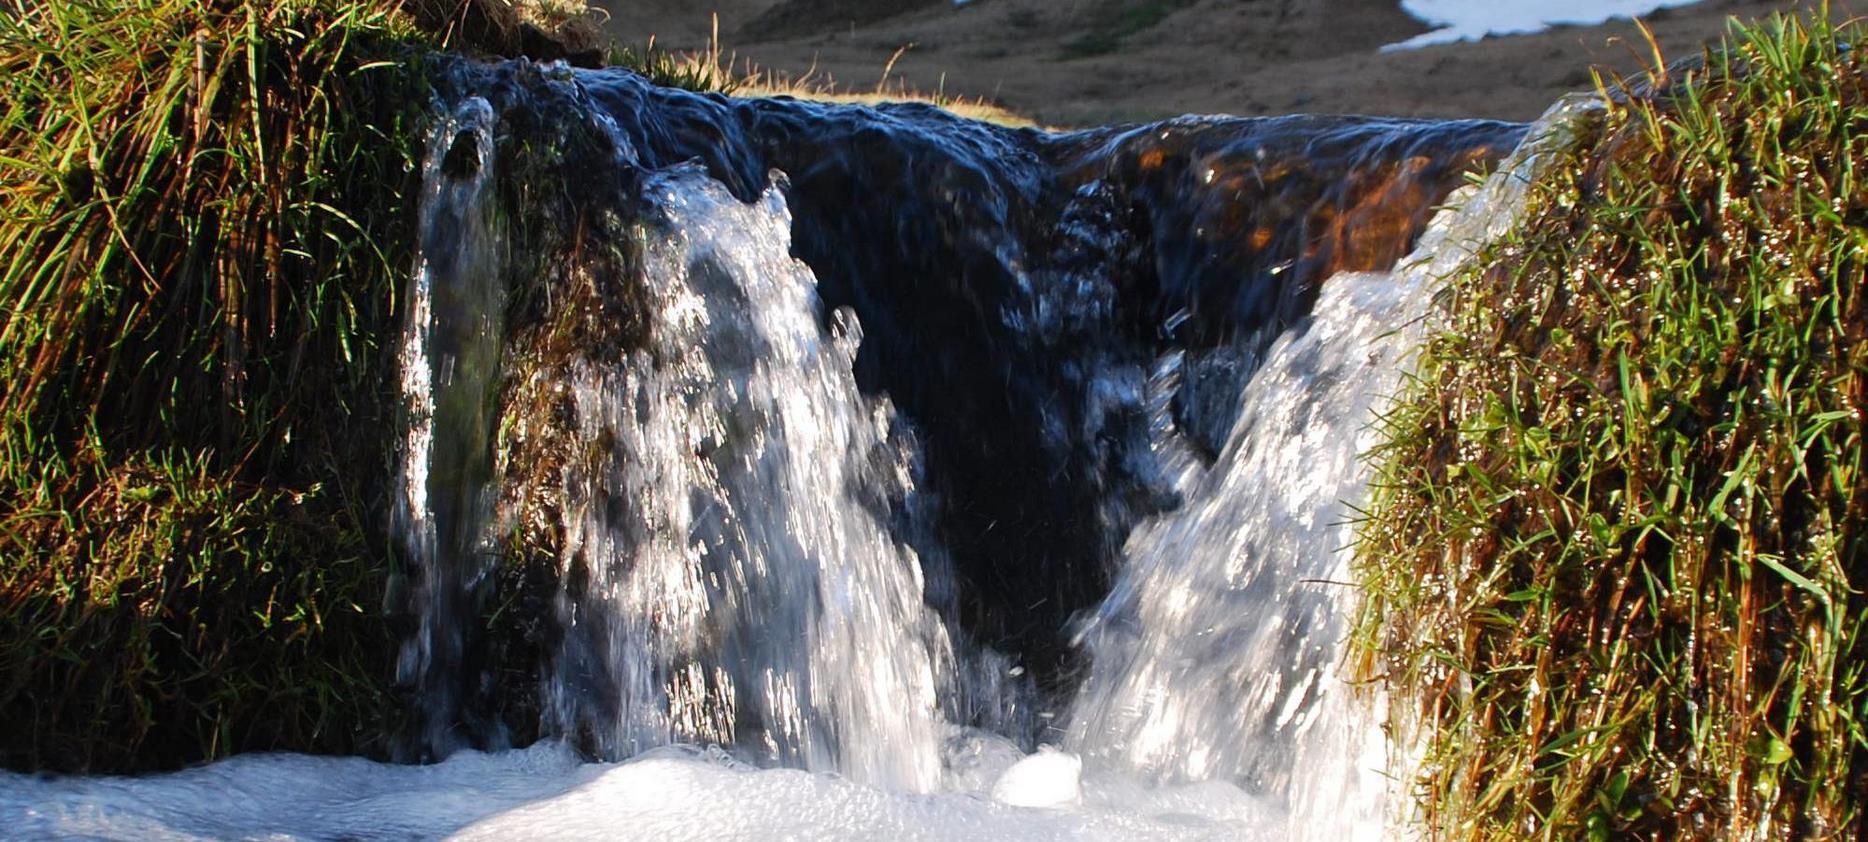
<point x="857" y="472"/>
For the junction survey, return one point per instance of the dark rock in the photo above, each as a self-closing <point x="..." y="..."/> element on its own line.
<point x="1015" y="286"/>
<point x="463" y="156"/>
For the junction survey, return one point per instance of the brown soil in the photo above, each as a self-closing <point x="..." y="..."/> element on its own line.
<point x="1085" y="62"/>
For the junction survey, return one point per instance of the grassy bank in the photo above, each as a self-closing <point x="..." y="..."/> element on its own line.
<point x="1616" y="561"/>
<point x="206" y="213"/>
<point x="205" y="209"/>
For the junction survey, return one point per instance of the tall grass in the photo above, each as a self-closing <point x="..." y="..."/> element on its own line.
<point x="204" y="211"/>
<point x="1616" y="564"/>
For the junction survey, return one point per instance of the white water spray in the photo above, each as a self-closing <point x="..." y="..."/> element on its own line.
<point x="1219" y="652"/>
<point x="740" y="583"/>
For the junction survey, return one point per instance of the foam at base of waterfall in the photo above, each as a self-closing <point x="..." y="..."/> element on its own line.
<point x="546" y="792"/>
<point x="1471" y="20"/>
<point x="1048" y="778"/>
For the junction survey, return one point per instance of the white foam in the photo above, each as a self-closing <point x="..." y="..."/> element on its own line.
<point x="545" y="792"/>
<point x="1471" y="20"/>
<point x="1049" y="778"/>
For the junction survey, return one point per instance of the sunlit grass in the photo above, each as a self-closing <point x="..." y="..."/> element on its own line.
<point x="1616" y="561"/>
<point x="713" y="69"/>
<point x="204" y="211"/>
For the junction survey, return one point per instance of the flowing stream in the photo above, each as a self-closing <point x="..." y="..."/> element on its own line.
<point x="1012" y="503"/>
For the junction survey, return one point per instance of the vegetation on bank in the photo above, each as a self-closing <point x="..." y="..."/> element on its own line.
<point x="1112" y="21"/>
<point x="205" y="212"/>
<point x="1617" y="559"/>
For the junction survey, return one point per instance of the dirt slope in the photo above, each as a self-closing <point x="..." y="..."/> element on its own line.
<point x="1080" y="62"/>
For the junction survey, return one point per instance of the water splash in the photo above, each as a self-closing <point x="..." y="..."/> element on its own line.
<point x="1215" y="655"/>
<point x="1218" y="653"/>
<point x="731" y="573"/>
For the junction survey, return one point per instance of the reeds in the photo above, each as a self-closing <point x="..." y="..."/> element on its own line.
<point x="1615" y="566"/>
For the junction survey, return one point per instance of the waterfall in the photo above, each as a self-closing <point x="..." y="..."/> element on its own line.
<point x="1216" y="654"/>
<point x="1219" y="653"/>
<point x="737" y="579"/>
<point x="966" y="482"/>
<point x="742" y="551"/>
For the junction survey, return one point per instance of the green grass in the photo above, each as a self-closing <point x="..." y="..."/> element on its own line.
<point x="1113" y="21"/>
<point x="207" y="212"/>
<point x="1615" y="564"/>
<point x="205" y="215"/>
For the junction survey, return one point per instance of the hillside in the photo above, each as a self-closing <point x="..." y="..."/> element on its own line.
<point x="1085" y="62"/>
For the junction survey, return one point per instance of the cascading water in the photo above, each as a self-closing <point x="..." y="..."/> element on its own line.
<point x="765" y="469"/>
<point x="1219" y="653"/>
<point x="737" y="581"/>
<point x="1216" y="654"/>
<point x="449" y="365"/>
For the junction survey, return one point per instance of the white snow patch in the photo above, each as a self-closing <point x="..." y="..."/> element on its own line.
<point x="1471" y="20"/>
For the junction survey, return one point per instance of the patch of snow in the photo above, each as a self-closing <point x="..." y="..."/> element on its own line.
<point x="1471" y="20"/>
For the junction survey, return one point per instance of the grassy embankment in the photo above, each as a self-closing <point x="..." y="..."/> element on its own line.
<point x="205" y="212"/>
<point x="1618" y="554"/>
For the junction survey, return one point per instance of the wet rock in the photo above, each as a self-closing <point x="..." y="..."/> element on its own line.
<point x="1016" y="288"/>
<point x="463" y="156"/>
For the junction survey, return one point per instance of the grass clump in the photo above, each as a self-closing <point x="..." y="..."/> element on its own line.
<point x="1616" y="561"/>
<point x="205" y="211"/>
<point x="1113" y="21"/>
